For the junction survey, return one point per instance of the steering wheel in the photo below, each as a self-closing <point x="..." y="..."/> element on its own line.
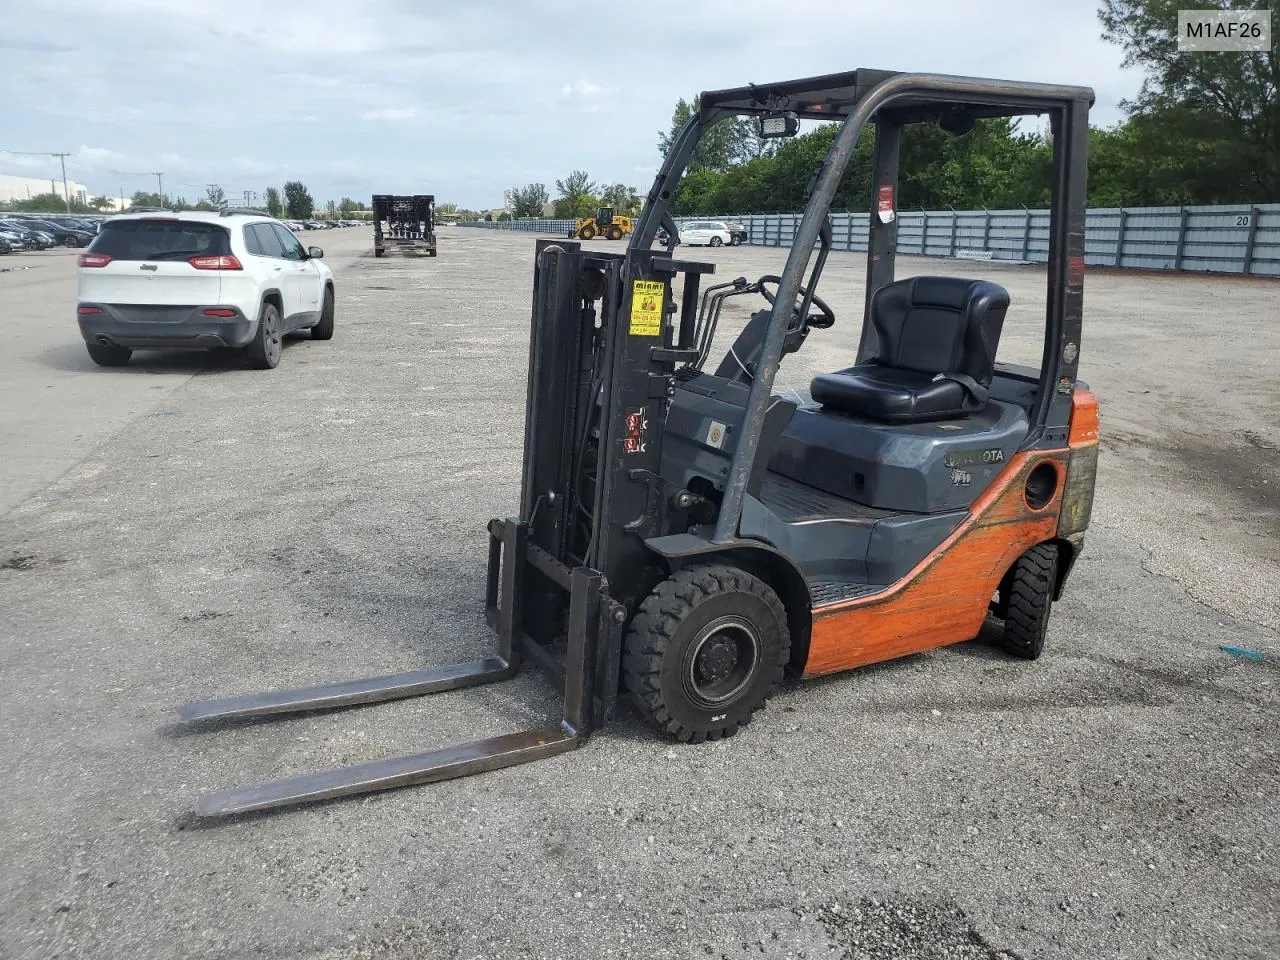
<point x="819" y="321"/>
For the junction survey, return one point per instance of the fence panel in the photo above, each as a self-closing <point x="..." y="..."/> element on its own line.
<point x="1240" y="238"/>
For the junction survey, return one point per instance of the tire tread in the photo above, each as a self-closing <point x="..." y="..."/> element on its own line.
<point x="1030" y="595"/>
<point x="653" y="632"/>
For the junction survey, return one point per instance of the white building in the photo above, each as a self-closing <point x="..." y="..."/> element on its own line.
<point x="24" y="188"/>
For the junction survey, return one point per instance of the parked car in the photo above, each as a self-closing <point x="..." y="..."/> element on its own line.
<point x="31" y="239"/>
<point x="13" y="239"/>
<point x="738" y="232"/>
<point x="200" y="280"/>
<point x="705" y="232"/>
<point x="5" y="246"/>
<point x="65" y="236"/>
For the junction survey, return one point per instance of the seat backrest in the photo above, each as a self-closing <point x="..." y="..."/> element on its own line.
<point x="940" y="325"/>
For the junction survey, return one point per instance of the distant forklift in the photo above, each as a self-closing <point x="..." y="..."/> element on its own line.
<point x="605" y="224"/>
<point x="688" y="537"/>
<point x="404" y="223"/>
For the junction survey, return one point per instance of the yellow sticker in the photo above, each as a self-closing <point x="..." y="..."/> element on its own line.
<point x="646" y="308"/>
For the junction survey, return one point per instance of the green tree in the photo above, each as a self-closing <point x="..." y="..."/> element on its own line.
<point x="298" y="202"/>
<point x="274" y="207"/>
<point x="102" y="203"/>
<point x="141" y="198"/>
<point x="1217" y="112"/>
<point x="215" y="196"/>
<point x="624" y="200"/>
<point x="577" y="196"/>
<point x="528" y="201"/>
<point x="49" y="203"/>
<point x="727" y="142"/>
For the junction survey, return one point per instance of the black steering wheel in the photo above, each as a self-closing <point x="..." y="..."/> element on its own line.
<point x="819" y="321"/>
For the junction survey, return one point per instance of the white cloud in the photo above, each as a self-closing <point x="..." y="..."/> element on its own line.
<point x="484" y="107"/>
<point x="585" y="90"/>
<point x="391" y="113"/>
<point x="100" y="158"/>
<point x="249" y="166"/>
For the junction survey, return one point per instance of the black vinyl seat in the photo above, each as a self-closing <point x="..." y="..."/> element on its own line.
<point x="935" y="356"/>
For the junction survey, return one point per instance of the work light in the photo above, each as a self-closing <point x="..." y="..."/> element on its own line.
<point x="777" y="125"/>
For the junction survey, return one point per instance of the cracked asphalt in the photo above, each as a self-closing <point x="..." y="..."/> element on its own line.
<point x="184" y="528"/>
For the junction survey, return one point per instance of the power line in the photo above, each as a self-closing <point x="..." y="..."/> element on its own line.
<point x="62" y="160"/>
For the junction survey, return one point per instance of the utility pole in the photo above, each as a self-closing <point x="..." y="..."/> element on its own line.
<point x="66" y="193"/>
<point x="160" y="187"/>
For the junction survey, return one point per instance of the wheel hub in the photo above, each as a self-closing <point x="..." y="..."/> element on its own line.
<point x="722" y="660"/>
<point x="717" y="659"/>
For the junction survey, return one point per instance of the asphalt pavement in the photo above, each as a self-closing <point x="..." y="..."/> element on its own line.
<point x="185" y="528"/>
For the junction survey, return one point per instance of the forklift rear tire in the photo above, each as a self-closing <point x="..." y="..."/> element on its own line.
<point x="705" y="652"/>
<point x="1031" y="583"/>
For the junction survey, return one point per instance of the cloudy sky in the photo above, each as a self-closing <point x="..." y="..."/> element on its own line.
<point x="461" y="99"/>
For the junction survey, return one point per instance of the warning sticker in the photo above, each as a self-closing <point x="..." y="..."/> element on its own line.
<point x="646" y="308"/>
<point x="884" y="203"/>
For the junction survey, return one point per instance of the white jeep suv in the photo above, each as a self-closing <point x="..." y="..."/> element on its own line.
<point x="165" y="279"/>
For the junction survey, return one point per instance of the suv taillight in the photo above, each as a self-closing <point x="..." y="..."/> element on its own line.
<point x="94" y="260"/>
<point x="224" y="262"/>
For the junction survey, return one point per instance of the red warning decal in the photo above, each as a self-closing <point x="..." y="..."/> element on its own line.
<point x="637" y="425"/>
<point x="884" y="203"/>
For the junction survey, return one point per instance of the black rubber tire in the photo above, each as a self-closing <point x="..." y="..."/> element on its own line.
<point x="108" y="354"/>
<point x="587" y="233"/>
<point x="659" y="649"/>
<point x="1031" y="584"/>
<point x="715" y="241"/>
<point x="324" y="329"/>
<point x="377" y="253"/>
<point x="264" y="350"/>
<point x="614" y="233"/>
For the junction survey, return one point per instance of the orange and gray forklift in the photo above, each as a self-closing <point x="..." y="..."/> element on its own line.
<point x="687" y="538"/>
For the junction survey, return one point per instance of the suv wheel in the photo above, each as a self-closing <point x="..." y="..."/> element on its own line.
<point x="263" y="352"/>
<point x="108" y="354"/>
<point x="323" y="330"/>
<point x="715" y="241"/>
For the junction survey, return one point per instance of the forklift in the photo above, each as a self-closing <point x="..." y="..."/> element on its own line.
<point x="404" y="223"/>
<point x="687" y="539"/>
<point x="605" y="223"/>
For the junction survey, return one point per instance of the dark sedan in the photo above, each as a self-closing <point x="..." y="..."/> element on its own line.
<point x="31" y="238"/>
<point x="65" y="236"/>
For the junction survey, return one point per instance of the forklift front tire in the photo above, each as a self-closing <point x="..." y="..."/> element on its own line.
<point x="1030" y="598"/>
<point x="705" y="652"/>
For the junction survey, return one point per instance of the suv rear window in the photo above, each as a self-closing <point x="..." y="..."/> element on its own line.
<point x="161" y="240"/>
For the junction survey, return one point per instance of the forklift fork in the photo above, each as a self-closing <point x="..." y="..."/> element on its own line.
<point x="508" y="559"/>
